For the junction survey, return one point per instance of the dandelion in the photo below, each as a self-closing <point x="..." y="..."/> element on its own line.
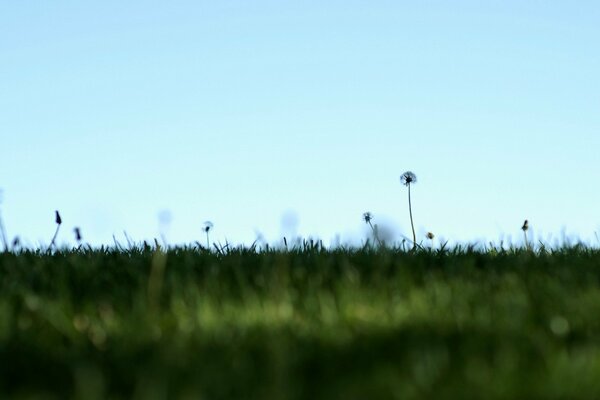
<point x="58" y="221"/>
<point x="367" y="217"/>
<point x="525" y="228"/>
<point x="407" y="179"/>
<point x="206" y="228"/>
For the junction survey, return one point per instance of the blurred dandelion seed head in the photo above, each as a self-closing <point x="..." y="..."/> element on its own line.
<point x="207" y="226"/>
<point x="367" y="217"/>
<point x="407" y="178"/>
<point x="525" y="226"/>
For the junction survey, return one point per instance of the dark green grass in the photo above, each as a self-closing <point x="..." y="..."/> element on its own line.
<point x="303" y="324"/>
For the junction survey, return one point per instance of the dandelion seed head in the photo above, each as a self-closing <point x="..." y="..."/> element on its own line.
<point x="207" y="226"/>
<point x="525" y="225"/>
<point x="407" y="178"/>
<point x="367" y="217"/>
<point x="430" y="235"/>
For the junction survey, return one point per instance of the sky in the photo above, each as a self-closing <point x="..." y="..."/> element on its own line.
<point x="273" y="118"/>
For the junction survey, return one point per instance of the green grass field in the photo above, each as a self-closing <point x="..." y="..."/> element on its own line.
<point x="302" y="324"/>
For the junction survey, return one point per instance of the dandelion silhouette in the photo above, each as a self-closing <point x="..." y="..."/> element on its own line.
<point x="525" y="228"/>
<point x="407" y="179"/>
<point x="58" y="221"/>
<point x="367" y="217"/>
<point x="207" y="227"/>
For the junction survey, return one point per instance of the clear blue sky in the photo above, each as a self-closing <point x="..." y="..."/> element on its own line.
<point x="243" y="112"/>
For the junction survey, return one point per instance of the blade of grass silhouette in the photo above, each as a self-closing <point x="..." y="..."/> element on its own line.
<point x="130" y="243"/>
<point x="117" y="244"/>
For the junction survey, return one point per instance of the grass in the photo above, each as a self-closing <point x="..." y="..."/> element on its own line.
<point x="308" y="323"/>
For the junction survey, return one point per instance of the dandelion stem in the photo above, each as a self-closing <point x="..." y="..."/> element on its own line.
<point x="375" y="234"/>
<point x="58" y="221"/>
<point x="411" y="219"/>
<point x="207" y="241"/>
<point x="525" y="227"/>
<point x="54" y="237"/>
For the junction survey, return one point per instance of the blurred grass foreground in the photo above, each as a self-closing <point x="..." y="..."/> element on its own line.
<point x="301" y="324"/>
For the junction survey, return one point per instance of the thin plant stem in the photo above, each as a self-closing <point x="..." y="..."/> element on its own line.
<point x="375" y="235"/>
<point x="54" y="237"/>
<point x="526" y="241"/>
<point x="3" y="233"/>
<point x="207" y="241"/>
<point x="411" y="220"/>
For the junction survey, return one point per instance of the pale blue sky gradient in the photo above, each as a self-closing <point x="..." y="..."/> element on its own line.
<point x="241" y="111"/>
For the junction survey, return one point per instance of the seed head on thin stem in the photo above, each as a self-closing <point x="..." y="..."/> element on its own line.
<point x="430" y="235"/>
<point x="525" y="228"/>
<point x="407" y="178"/>
<point x="58" y="221"/>
<point x="206" y="228"/>
<point x="368" y="217"/>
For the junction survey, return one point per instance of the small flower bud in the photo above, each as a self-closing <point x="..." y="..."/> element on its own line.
<point x="77" y="234"/>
